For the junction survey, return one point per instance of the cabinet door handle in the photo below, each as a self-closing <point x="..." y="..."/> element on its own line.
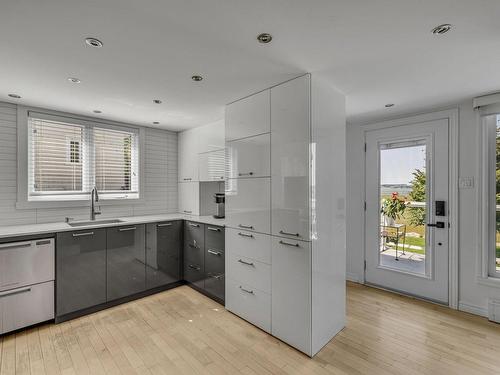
<point x="83" y="234"/>
<point x="245" y="235"/>
<point x="246" y="290"/>
<point x="15" y="291"/>
<point x="289" y="244"/>
<point x="187" y="179"/>
<point x="213" y="229"/>
<point x="289" y="234"/>
<point x="213" y="252"/>
<point x="187" y="212"/>
<point x="126" y="229"/>
<point x="245" y="226"/>
<point x="193" y="245"/>
<point x="164" y="225"/>
<point x="245" y="174"/>
<point x="18" y="245"/>
<point x="247" y="263"/>
<point x="217" y="277"/>
<point x="194" y="225"/>
<point x="196" y="268"/>
<point x="43" y="242"/>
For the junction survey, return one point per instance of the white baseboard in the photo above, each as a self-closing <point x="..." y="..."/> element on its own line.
<point x="354" y="277"/>
<point x="473" y="309"/>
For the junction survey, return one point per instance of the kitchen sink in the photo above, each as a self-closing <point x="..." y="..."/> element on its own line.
<point x="94" y="222"/>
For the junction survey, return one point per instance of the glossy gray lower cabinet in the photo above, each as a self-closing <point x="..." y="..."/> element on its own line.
<point x="163" y="253"/>
<point x="194" y="260"/>
<point x="80" y="270"/>
<point x="126" y="261"/>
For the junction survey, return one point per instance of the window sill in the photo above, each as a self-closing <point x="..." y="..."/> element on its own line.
<point x="489" y="281"/>
<point x="23" y="205"/>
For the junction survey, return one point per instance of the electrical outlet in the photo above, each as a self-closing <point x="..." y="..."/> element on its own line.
<point x="466" y="183"/>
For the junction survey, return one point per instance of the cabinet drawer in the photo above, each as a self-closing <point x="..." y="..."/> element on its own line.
<point x="214" y="261"/>
<point x="249" y="272"/>
<point x="26" y="263"/>
<point x="194" y="242"/>
<point x="251" y="304"/>
<point x="215" y="285"/>
<point x="194" y="273"/>
<point x="248" y="203"/>
<point x="249" y="116"/>
<point x="214" y="237"/>
<point x="248" y="244"/>
<point x="249" y="157"/>
<point x="26" y="306"/>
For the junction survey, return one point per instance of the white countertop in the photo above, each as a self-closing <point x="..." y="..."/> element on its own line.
<point x="36" y="229"/>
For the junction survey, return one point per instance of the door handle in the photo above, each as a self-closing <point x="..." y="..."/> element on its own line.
<point x="246" y="290"/>
<point x="126" y="229"/>
<point x="83" y="234"/>
<point x="15" y="291"/>
<point x="213" y="229"/>
<point x="164" y="225"/>
<point x="439" y="224"/>
<point x="289" y="244"/>
<point x="289" y="234"/>
<point x="245" y="174"/>
<point x="213" y="252"/>
<point x="246" y="263"/>
<point x="194" y="225"/>
<point x="245" y="235"/>
<point x="245" y="226"/>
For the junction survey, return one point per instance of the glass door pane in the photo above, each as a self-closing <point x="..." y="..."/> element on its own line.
<point x="403" y="206"/>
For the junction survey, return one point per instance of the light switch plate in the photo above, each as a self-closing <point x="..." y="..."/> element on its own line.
<point x="466" y="183"/>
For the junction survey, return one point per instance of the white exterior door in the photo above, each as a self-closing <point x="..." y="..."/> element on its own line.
<point x="407" y="213"/>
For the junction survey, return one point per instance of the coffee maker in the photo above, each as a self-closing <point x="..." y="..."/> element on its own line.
<point x="220" y="201"/>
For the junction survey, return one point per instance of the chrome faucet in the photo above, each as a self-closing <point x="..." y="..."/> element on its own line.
<point x="94" y="197"/>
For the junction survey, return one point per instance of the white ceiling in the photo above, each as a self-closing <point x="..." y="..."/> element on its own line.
<point x="375" y="51"/>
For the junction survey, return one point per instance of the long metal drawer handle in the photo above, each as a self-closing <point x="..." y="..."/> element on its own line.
<point x="196" y="268"/>
<point x="289" y="244"/>
<point x="213" y="252"/>
<point x="18" y="245"/>
<point x="16" y="291"/>
<point x="246" y="290"/>
<point x="217" y="277"/>
<point x="42" y="242"/>
<point x="187" y="179"/>
<point x="247" y="263"/>
<point x="213" y="229"/>
<point x="83" y="234"/>
<point x="126" y="229"/>
<point x="193" y="245"/>
<point x="245" y="174"/>
<point x="289" y="234"/>
<point x="245" y="226"/>
<point x="188" y="212"/>
<point x="245" y="235"/>
<point x="164" y="225"/>
<point x="194" y="225"/>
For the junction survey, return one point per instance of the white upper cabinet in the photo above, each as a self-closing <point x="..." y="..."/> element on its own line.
<point x="211" y="137"/>
<point x="189" y="198"/>
<point x="248" y="117"/>
<point x="290" y="159"/>
<point x="249" y="157"/>
<point x="211" y="165"/>
<point x="188" y="143"/>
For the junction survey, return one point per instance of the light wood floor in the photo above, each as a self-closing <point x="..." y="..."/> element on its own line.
<point x="183" y="332"/>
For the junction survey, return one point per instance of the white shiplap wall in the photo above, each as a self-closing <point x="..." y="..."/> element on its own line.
<point x="160" y="173"/>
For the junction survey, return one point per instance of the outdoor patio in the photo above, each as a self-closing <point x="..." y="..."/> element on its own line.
<point x="408" y="262"/>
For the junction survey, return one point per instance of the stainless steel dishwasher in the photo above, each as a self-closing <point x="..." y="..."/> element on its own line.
<point x="26" y="283"/>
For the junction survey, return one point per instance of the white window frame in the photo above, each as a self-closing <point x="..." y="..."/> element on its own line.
<point x="487" y="273"/>
<point x="24" y="201"/>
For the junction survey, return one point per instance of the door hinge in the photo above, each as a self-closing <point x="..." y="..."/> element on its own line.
<point x="365" y="265"/>
<point x="365" y="205"/>
<point x="365" y="147"/>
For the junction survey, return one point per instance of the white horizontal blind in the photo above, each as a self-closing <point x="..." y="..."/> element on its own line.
<point x="115" y="160"/>
<point x="56" y="162"/>
<point x="66" y="160"/>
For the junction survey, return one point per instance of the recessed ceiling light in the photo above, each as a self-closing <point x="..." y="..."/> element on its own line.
<point x="93" y="42"/>
<point x="441" y="29"/>
<point x="156" y="123"/>
<point x="97" y="111"/>
<point x="389" y="105"/>
<point x="74" y="80"/>
<point x="197" y="78"/>
<point x="264" y="38"/>
<point x="157" y="101"/>
<point x="15" y="96"/>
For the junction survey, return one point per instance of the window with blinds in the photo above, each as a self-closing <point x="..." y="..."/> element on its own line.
<point x="66" y="160"/>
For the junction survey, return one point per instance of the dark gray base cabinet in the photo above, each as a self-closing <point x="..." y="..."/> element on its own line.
<point x="163" y="253"/>
<point x="204" y="258"/>
<point x="80" y="270"/>
<point x="126" y="261"/>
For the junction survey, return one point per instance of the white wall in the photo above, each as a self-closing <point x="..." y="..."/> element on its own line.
<point x="160" y="185"/>
<point x="473" y="296"/>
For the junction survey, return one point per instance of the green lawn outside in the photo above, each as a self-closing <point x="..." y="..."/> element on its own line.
<point x="414" y="241"/>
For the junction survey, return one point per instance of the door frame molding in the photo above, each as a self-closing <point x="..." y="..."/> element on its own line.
<point x="452" y="115"/>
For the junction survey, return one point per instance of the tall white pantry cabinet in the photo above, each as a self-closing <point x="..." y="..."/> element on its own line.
<point x="285" y="211"/>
